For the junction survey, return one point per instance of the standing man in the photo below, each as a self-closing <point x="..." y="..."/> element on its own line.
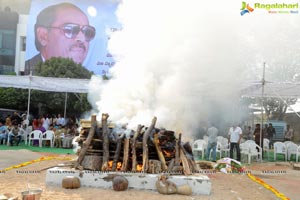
<point x="271" y="133"/>
<point x="289" y="133"/>
<point x="212" y="133"/>
<point x="235" y="135"/>
<point x="61" y="30"/>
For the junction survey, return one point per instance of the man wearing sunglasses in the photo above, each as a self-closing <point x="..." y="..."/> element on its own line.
<point x="61" y="30"/>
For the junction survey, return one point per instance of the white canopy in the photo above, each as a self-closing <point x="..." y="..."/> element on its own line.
<point x="45" y="83"/>
<point x="271" y="89"/>
<point x="250" y="89"/>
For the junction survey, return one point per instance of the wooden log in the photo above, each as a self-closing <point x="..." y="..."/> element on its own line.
<point x="159" y="152"/>
<point x="202" y="164"/>
<point x="117" y="153"/>
<point x="105" y="142"/>
<point x="177" y="151"/>
<point x="125" y="155"/>
<point x="185" y="163"/>
<point x="92" y="162"/>
<point x="189" y="154"/>
<point x="86" y="145"/>
<point x="94" y="151"/>
<point x="134" y="145"/>
<point x="145" y="145"/>
<point x="154" y="167"/>
<point x="171" y="164"/>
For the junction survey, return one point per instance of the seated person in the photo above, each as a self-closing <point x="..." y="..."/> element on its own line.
<point x="14" y="135"/>
<point x="71" y="133"/>
<point x="58" y="135"/>
<point x="3" y="132"/>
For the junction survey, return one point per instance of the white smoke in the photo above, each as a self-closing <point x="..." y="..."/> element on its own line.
<point x="182" y="61"/>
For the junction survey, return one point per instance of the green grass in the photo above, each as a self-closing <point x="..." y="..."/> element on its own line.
<point x="47" y="149"/>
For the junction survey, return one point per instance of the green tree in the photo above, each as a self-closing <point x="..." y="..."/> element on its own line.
<point x="62" y="68"/>
<point x="54" y="102"/>
<point x="13" y="98"/>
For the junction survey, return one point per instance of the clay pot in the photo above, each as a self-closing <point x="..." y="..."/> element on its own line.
<point x="71" y="182"/>
<point x="164" y="186"/>
<point x="120" y="183"/>
<point x="8" y="196"/>
<point x="184" y="190"/>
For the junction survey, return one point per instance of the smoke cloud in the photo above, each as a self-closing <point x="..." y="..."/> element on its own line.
<point x="182" y="61"/>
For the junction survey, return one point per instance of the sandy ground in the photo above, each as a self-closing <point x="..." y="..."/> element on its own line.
<point x="224" y="186"/>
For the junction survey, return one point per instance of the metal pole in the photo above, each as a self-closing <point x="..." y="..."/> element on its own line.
<point x="262" y="103"/>
<point x="28" y="107"/>
<point x="29" y="94"/>
<point x="65" y="112"/>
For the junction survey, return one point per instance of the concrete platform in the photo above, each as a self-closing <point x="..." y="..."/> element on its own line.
<point x="200" y="184"/>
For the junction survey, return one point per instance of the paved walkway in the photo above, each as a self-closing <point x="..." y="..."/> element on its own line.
<point x="11" y="157"/>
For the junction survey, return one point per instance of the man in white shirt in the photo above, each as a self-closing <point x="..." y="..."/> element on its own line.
<point x="235" y="135"/>
<point x="60" y="120"/>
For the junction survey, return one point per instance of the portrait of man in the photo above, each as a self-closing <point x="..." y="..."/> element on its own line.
<point x="61" y="30"/>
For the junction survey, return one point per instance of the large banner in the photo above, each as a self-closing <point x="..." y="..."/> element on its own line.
<point x="71" y="29"/>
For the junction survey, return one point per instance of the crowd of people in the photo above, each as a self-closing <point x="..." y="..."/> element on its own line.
<point x="13" y="128"/>
<point x="236" y="135"/>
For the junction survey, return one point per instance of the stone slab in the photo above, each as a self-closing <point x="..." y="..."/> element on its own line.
<point x="200" y="184"/>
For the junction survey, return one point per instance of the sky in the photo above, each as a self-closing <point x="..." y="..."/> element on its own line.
<point x="184" y="61"/>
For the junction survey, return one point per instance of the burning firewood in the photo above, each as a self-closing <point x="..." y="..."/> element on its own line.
<point x="105" y="142"/>
<point x="126" y="155"/>
<point x="86" y="144"/>
<point x="152" y="150"/>
<point x="117" y="152"/>
<point x="159" y="152"/>
<point x="133" y="147"/>
<point x="145" y="144"/>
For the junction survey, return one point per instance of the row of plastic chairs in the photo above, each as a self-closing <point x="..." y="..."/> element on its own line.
<point x="287" y="149"/>
<point x="251" y="149"/>
<point x="38" y="135"/>
<point x="200" y="146"/>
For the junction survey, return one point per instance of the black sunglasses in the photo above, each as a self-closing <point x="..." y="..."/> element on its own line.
<point x="72" y="30"/>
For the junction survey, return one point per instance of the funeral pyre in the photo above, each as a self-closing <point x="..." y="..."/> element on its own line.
<point x="147" y="149"/>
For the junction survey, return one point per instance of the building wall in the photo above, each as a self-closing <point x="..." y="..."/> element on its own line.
<point x="22" y="7"/>
<point x="8" y="28"/>
<point x="21" y="44"/>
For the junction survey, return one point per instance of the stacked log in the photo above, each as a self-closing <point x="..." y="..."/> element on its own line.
<point x="148" y="150"/>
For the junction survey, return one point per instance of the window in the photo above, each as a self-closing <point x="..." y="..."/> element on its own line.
<point x="8" y="41"/>
<point x="23" y="43"/>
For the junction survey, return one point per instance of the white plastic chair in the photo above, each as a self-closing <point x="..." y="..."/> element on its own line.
<point x="27" y="133"/>
<point x="199" y="146"/>
<point x="280" y="148"/>
<point x="291" y="150"/>
<point x="266" y="146"/>
<point x="48" y="135"/>
<point x="286" y="143"/>
<point x="298" y="153"/>
<point x="218" y="150"/>
<point x="250" y="149"/>
<point x="220" y="138"/>
<point x="22" y="132"/>
<point x="35" y="135"/>
<point x="250" y="141"/>
<point x="205" y="138"/>
<point x="225" y="147"/>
